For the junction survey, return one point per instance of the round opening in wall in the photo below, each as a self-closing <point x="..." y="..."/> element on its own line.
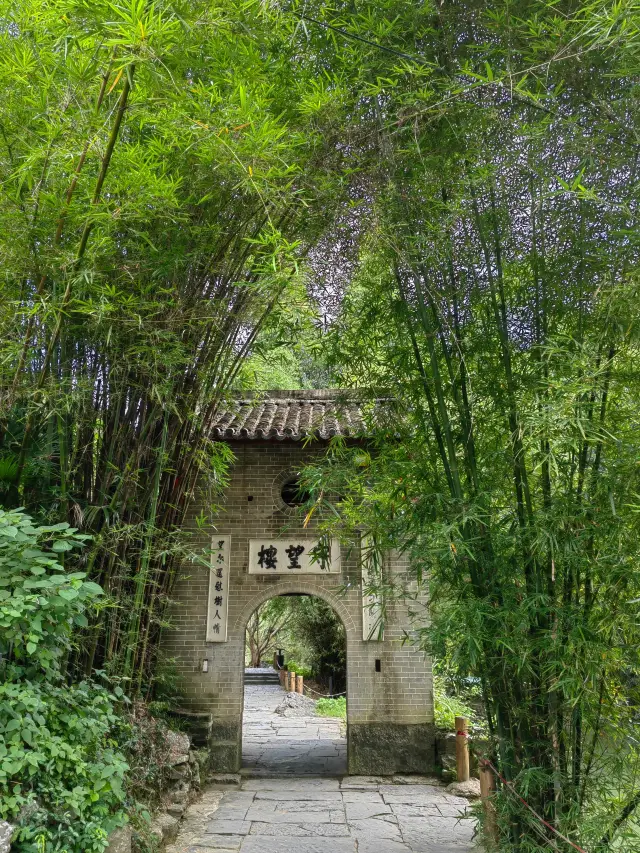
<point x="292" y="494"/>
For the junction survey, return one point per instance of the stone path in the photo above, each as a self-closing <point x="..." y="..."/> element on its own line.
<point x="287" y="802"/>
<point x="310" y="815"/>
<point x="304" y="746"/>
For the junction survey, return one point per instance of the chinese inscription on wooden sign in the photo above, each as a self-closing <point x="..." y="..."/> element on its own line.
<point x="292" y="556"/>
<point x="372" y="612"/>
<point x="218" y="605"/>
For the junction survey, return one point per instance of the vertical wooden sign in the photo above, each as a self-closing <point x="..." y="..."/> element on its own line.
<point x="372" y="611"/>
<point x="218" y="602"/>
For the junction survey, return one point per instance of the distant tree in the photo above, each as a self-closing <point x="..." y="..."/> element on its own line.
<point x="307" y="628"/>
<point x="264" y="626"/>
<point x="319" y="631"/>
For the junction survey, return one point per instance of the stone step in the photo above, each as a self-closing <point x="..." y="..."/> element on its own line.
<point x="262" y="680"/>
<point x="264" y="677"/>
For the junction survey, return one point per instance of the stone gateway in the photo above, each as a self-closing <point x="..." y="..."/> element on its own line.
<point x="260" y="549"/>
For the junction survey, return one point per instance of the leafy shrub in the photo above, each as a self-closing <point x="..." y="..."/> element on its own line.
<point x="447" y="708"/>
<point x="39" y="601"/>
<point x="332" y="708"/>
<point x="8" y="470"/>
<point x="61" y="773"/>
<point x="59" y="765"/>
<point x="304" y="671"/>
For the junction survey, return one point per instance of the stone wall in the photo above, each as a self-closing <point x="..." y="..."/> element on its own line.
<point x="181" y="783"/>
<point x="389" y="712"/>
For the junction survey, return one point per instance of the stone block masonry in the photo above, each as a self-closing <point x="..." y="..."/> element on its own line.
<point x="389" y="687"/>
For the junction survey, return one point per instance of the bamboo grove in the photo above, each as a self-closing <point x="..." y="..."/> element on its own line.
<point x="152" y="198"/>
<point x="497" y="295"/>
<point x="173" y="176"/>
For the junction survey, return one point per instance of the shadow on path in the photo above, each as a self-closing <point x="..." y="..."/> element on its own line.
<point x="300" y="746"/>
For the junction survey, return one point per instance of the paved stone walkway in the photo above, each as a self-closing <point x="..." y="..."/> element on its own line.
<point x="272" y="744"/>
<point x="307" y="815"/>
<point x="288" y="802"/>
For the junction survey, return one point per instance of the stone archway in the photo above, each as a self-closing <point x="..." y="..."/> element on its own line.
<point x="389" y="688"/>
<point x="297" y="742"/>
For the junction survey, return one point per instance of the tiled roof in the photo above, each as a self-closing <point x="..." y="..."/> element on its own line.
<point x="291" y="415"/>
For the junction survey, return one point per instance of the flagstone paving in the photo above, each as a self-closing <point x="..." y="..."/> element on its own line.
<point x="272" y="744"/>
<point x="321" y="815"/>
<point x="295" y="797"/>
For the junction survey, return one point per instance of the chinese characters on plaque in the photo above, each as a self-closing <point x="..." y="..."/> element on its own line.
<point x="372" y="613"/>
<point x="218" y="604"/>
<point x="292" y="556"/>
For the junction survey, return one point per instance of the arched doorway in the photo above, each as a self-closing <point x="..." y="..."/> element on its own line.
<point x="295" y="726"/>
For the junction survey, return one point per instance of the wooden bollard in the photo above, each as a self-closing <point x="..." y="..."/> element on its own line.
<point x="299" y="684"/>
<point x="281" y="677"/>
<point x="292" y="682"/>
<point x="462" y="749"/>
<point x="487" y="787"/>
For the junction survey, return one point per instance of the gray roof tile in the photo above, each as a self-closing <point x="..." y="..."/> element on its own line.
<point x="292" y="415"/>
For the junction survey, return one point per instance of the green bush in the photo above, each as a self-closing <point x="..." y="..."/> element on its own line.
<point x="447" y="708"/>
<point x="304" y="671"/>
<point x="61" y="772"/>
<point x="332" y="708"/>
<point x="59" y="765"/>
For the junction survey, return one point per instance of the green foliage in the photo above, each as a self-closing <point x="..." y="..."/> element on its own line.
<point x="146" y="747"/>
<point x="152" y="223"/>
<point x="264" y="630"/>
<point x="60" y="765"/>
<point x="307" y="629"/>
<point x="332" y="708"/>
<point x="314" y="636"/>
<point x="479" y="165"/>
<point x="40" y="603"/>
<point x="304" y="671"/>
<point x="287" y="353"/>
<point x="496" y="299"/>
<point x="447" y="707"/>
<point x="61" y="770"/>
<point x="8" y="470"/>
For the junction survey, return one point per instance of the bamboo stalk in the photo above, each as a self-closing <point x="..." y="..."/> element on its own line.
<point x="44" y="371"/>
<point x="58" y="233"/>
<point x="142" y="575"/>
